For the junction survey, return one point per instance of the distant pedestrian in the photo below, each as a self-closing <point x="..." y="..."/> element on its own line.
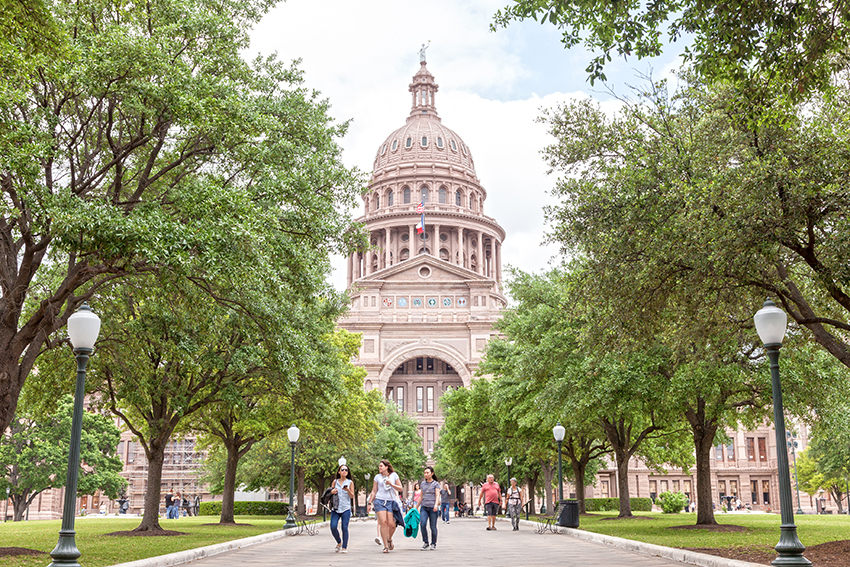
<point x="169" y="503"/>
<point x="385" y="500"/>
<point x="175" y="506"/>
<point x="343" y="487"/>
<point x="513" y="500"/>
<point x="492" y="496"/>
<point x="429" y="508"/>
<point x="445" y="501"/>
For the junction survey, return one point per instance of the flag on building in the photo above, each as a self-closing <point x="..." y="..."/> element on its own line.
<point x="420" y="226"/>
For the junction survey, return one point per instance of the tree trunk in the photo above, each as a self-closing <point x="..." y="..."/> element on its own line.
<point x="622" y="457"/>
<point x="150" y="519"/>
<point x="579" y="466"/>
<point x="704" y="431"/>
<point x="19" y="507"/>
<point x="548" y="478"/>
<point x="228" y="494"/>
<point x="532" y="485"/>
<point x="299" y="478"/>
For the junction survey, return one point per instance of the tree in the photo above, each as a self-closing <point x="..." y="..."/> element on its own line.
<point x="152" y="145"/>
<point x="797" y="45"/>
<point x="34" y="452"/>
<point x="709" y="212"/>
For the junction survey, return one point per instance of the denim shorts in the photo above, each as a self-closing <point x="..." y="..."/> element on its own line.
<point x="491" y="508"/>
<point x="382" y="505"/>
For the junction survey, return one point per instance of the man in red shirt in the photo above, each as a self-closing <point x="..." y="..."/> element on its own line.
<point x="492" y="495"/>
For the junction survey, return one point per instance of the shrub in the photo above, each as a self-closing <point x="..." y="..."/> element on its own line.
<point x="671" y="502"/>
<point x="246" y="509"/>
<point x="613" y="504"/>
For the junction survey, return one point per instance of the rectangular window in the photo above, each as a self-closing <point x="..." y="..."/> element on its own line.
<point x="420" y="401"/>
<point x="754" y="491"/>
<point x="419" y="364"/>
<point x="687" y="488"/>
<point x="664" y="486"/>
<point x="653" y="489"/>
<point x="390" y="396"/>
<point x="429" y="393"/>
<point x="718" y="453"/>
<point x="430" y="365"/>
<point x="605" y="490"/>
<point x="763" y="449"/>
<point x="399" y="395"/>
<point x="721" y="488"/>
<point x="730" y="451"/>
<point x="733" y="488"/>
<point x="676" y="486"/>
<point x="751" y="449"/>
<point x="120" y="450"/>
<point x="430" y="444"/>
<point x="765" y="488"/>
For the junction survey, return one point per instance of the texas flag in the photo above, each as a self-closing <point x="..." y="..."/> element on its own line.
<point x="420" y="226"/>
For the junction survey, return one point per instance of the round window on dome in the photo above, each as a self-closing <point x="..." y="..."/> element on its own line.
<point x="439" y="142"/>
<point x="424" y="141"/>
<point x="408" y="142"/>
<point x="395" y="145"/>
<point x="454" y="146"/>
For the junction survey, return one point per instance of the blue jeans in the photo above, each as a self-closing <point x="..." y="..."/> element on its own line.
<point x="426" y="516"/>
<point x="444" y="510"/>
<point x="335" y="517"/>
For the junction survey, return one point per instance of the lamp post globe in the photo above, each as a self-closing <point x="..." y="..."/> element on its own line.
<point x="293" y="433"/>
<point x="771" y="323"/>
<point x="83" y="329"/>
<point x="508" y="462"/>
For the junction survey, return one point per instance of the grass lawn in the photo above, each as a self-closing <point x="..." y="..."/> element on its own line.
<point x="761" y="529"/>
<point x="100" y="550"/>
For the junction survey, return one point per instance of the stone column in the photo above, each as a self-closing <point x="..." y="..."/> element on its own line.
<point x="498" y="246"/>
<point x="436" y="248"/>
<point x="386" y="247"/>
<point x="413" y="246"/>
<point x="480" y="252"/>
<point x="460" y="257"/>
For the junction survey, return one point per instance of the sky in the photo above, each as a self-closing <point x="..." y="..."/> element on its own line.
<point x="362" y="56"/>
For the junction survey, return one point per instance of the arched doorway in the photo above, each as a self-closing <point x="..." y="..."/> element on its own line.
<point x="416" y="386"/>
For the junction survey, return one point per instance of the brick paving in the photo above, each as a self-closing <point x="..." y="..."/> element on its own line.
<point x="463" y="542"/>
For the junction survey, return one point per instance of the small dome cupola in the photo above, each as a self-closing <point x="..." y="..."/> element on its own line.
<point x="423" y="88"/>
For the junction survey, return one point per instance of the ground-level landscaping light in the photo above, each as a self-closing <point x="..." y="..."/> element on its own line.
<point x="771" y="323"/>
<point x="83" y="329"/>
<point x="293" y="433"/>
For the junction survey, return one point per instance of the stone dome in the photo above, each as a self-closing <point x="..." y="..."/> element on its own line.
<point x="423" y="138"/>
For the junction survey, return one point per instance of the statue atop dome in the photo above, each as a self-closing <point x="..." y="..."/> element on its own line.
<point x="422" y="51"/>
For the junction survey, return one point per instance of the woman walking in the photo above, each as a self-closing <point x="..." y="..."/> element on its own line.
<point x="384" y="499"/>
<point x="514" y="501"/>
<point x="344" y="489"/>
<point x="445" y="500"/>
<point x="429" y="508"/>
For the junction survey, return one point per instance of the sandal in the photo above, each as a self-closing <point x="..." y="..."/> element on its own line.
<point x="386" y="550"/>
<point x="390" y="544"/>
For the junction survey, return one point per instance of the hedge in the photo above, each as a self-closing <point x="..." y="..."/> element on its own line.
<point x="246" y="509"/>
<point x="613" y="504"/>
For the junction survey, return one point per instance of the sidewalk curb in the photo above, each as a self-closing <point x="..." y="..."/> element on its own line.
<point x="676" y="554"/>
<point x="181" y="557"/>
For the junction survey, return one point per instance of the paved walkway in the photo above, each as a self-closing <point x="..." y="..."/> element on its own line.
<point x="464" y="542"/>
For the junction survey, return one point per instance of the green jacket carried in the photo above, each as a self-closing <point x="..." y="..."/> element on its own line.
<point x="411" y="523"/>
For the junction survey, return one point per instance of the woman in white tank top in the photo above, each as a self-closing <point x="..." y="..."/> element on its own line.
<point x="384" y="497"/>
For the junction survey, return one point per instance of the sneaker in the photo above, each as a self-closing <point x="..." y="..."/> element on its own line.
<point x="338" y="546"/>
<point x="345" y="551"/>
<point x="489" y="528"/>
<point x="433" y="547"/>
<point x="425" y="547"/>
<point x="494" y="528"/>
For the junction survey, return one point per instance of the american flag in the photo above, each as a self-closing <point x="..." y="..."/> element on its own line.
<point x="420" y="208"/>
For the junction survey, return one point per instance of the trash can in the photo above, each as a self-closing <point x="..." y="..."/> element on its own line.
<point x="568" y="517"/>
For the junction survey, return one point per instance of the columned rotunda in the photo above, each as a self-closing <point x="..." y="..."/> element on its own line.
<point x="426" y="301"/>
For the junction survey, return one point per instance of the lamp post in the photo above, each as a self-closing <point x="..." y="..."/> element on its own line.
<point x="508" y="462"/>
<point x="558" y="431"/>
<point x="83" y="328"/>
<point x="771" y="322"/>
<point x="792" y="444"/>
<point x="293" y="433"/>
